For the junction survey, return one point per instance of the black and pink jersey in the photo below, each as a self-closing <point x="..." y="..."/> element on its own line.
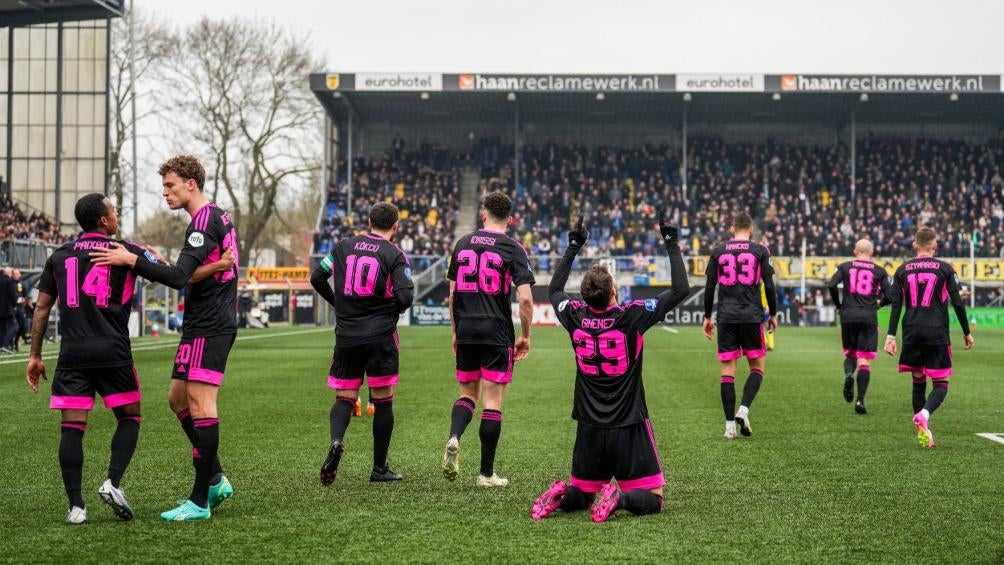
<point x="865" y="284"/>
<point x="737" y="268"/>
<point x="368" y="272"/>
<point x="923" y="286"/>
<point x="94" y="303"/>
<point x="486" y="265"/>
<point x="608" y="346"/>
<point x="211" y="304"/>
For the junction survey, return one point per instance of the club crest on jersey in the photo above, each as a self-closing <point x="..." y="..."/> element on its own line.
<point x="561" y="305"/>
<point x="651" y="304"/>
<point x="196" y="239"/>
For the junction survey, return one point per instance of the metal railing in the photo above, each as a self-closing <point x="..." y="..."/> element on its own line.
<point x="24" y="253"/>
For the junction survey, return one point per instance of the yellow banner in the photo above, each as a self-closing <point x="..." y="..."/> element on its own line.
<point x="279" y="274"/>
<point x="822" y="268"/>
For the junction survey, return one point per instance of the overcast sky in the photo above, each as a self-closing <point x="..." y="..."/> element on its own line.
<point x="669" y="36"/>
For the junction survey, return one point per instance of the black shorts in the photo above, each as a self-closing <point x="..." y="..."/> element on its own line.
<point x="628" y="454"/>
<point x="203" y="359"/>
<point x="73" y="389"/>
<point x="736" y="340"/>
<point x="377" y="361"/>
<point x="860" y="340"/>
<point x="476" y="361"/>
<point x="934" y="361"/>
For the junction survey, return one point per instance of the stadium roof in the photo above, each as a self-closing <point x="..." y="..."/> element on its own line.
<point x="28" y="12"/>
<point x="712" y="97"/>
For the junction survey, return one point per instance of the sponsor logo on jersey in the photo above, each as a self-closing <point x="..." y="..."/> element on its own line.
<point x="196" y="239"/>
<point x="561" y="305"/>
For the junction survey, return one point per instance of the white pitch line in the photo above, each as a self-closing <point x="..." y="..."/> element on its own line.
<point x="999" y="438"/>
<point x="170" y="344"/>
<point x="670" y="330"/>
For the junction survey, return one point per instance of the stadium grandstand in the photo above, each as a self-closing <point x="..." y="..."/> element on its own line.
<point x="53" y="116"/>
<point x="818" y="161"/>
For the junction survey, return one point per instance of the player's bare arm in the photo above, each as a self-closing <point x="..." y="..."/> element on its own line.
<point x="525" y="321"/>
<point x="39" y="323"/>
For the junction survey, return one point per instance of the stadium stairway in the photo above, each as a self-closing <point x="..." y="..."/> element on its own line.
<point x="470" y="181"/>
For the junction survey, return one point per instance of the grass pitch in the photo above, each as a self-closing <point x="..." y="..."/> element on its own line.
<point x="815" y="483"/>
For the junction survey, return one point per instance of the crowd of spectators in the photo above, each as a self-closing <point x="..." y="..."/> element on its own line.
<point x="15" y="224"/>
<point x="424" y="184"/>
<point x="792" y="191"/>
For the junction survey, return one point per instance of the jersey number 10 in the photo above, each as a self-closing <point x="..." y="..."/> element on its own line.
<point x="360" y="275"/>
<point x="96" y="284"/>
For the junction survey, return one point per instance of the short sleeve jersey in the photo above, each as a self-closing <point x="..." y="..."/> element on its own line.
<point x="739" y="267"/>
<point x="211" y="304"/>
<point x="924" y="284"/>
<point x="94" y="303"/>
<point x="486" y="265"/>
<point x="865" y="283"/>
<point x="608" y="348"/>
<point x="366" y="270"/>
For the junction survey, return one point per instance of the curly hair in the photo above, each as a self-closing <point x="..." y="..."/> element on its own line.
<point x="185" y="166"/>
<point x="498" y="205"/>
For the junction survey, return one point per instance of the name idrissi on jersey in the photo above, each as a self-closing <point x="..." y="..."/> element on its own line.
<point x="482" y="240"/>
<point x="196" y="239"/>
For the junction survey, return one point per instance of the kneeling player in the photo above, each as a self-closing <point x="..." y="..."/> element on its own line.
<point x="865" y="288"/>
<point x="926" y="284"/>
<point x="614" y="439"/>
<point x="373" y="283"/>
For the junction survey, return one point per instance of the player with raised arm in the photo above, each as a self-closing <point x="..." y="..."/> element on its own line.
<point x="738" y="267"/>
<point x="94" y="353"/>
<point x="484" y="266"/>
<point x="924" y="285"/>
<point x="207" y="333"/>
<point x="372" y="286"/>
<point x="614" y="438"/>
<point x="866" y="286"/>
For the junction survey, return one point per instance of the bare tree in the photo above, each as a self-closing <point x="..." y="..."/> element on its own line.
<point x="151" y="41"/>
<point x="243" y="101"/>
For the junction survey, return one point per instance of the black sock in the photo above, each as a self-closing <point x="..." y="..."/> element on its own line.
<point x="849" y="364"/>
<point x="383" y="428"/>
<point x="463" y="411"/>
<point x="640" y="502"/>
<point x="123" y="446"/>
<point x="864" y="377"/>
<point x="188" y="426"/>
<point x="752" y="387"/>
<point x="491" y="429"/>
<point x="340" y="416"/>
<point x="575" y="499"/>
<point x="729" y="397"/>
<point x="919" y="393"/>
<point x="937" y="396"/>
<point x="71" y="459"/>
<point x="207" y="435"/>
